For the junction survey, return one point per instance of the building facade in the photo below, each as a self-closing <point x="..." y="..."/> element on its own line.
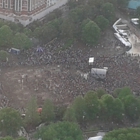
<point x="22" y="7"/>
<point x="27" y="11"/>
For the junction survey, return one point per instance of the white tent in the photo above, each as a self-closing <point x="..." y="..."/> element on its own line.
<point x="91" y="60"/>
<point x="96" y="138"/>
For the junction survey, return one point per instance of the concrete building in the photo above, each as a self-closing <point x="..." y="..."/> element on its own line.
<point x="22" y="7"/>
<point x="26" y="11"/>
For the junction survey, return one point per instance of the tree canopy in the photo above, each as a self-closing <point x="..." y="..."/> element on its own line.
<point x="69" y="115"/>
<point x="6" y="36"/>
<point x="32" y="116"/>
<point x="11" y="138"/>
<point x="92" y="105"/>
<point x="80" y="108"/>
<point x="123" y="134"/>
<point x="10" y="121"/>
<point x="91" y="32"/>
<point x="102" y="22"/>
<point x="48" y="114"/>
<point x="60" y="131"/>
<point x="3" y="55"/>
<point x="21" y="41"/>
<point x="108" y="11"/>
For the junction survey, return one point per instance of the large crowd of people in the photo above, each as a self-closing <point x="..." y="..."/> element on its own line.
<point x="68" y="83"/>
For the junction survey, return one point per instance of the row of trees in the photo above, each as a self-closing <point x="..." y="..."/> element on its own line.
<point x="60" y="131"/>
<point x="82" y="22"/>
<point x="85" y="21"/>
<point x="93" y="106"/>
<point x="11" y="138"/>
<point x="116" y="3"/>
<point x="10" y="38"/>
<point x="100" y="105"/>
<point x="33" y="117"/>
<point x="11" y="119"/>
<point x="123" y="134"/>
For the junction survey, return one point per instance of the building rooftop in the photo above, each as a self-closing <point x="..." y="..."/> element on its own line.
<point x="133" y="4"/>
<point x="96" y="138"/>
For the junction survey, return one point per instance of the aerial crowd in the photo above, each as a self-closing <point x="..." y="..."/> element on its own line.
<point x="71" y="62"/>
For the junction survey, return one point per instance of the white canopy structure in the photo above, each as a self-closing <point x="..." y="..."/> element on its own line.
<point x="135" y="21"/>
<point x="99" y="73"/>
<point x="91" y="60"/>
<point x="96" y="138"/>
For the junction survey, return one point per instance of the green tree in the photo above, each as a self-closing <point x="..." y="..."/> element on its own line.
<point x="20" y="138"/>
<point x="27" y="32"/>
<point x="74" y="3"/>
<point x="100" y="92"/>
<point x="3" y="55"/>
<point x="69" y="115"/>
<point x="60" y="131"/>
<point x="114" y="2"/>
<point x="7" y="138"/>
<point x="38" y="33"/>
<point x="21" y="41"/>
<point x="124" y="92"/>
<point x="121" y="137"/>
<point x="108" y="103"/>
<point x="32" y="117"/>
<point x="67" y="29"/>
<point x="108" y="11"/>
<point x="15" y="27"/>
<point x="122" y="3"/>
<point x="6" y="36"/>
<point x="2" y="23"/>
<point x="60" y="111"/>
<point x="48" y="114"/>
<point x="77" y="14"/>
<point x="102" y="22"/>
<point x="96" y="3"/>
<point x="10" y="121"/>
<point x="117" y="92"/>
<point x="118" y="108"/>
<point x="123" y="134"/>
<point x="48" y="31"/>
<point x="11" y="138"/>
<point x="91" y="33"/>
<point x="132" y="107"/>
<point x="91" y="11"/>
<point x="92" y="105"/>
<point x="80" y="108"/>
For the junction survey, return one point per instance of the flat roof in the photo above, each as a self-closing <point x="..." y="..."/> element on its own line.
<point x="133" y="4"/>
<point x="96" y="138"/>
<point x="91" y="59"/>
<point x="99" y="71"/>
